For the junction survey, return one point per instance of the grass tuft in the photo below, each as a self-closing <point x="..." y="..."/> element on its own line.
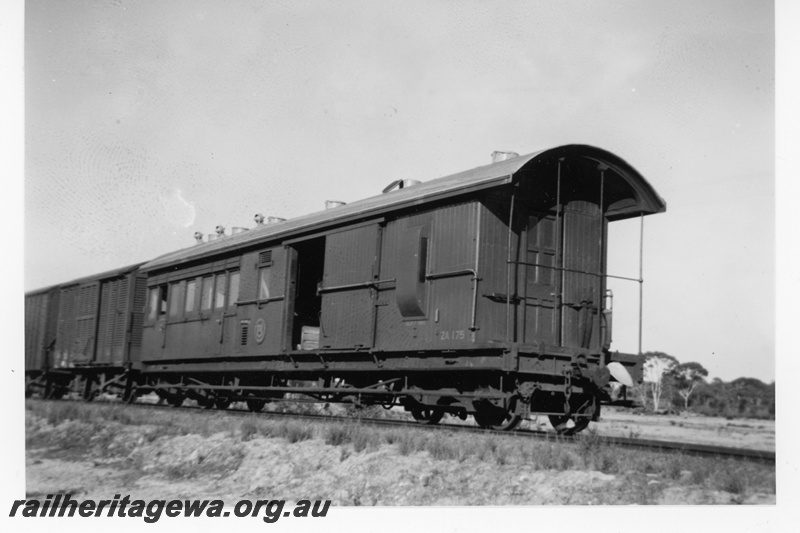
<point x="732" y="481"/>
<point x="295" y="432"/>
<point x="76" y="429"/>
<point x="441" y="449"/>
<point x="360" y="437"/>
<point x="248" y="430"/>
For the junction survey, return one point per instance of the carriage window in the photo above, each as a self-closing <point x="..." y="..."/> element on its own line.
<point x="152" y="307"/>
<point x="263" y="283"/>
<point x="207" y="293"/>
<point x="157" y="303"/>
<point x="233" y="289"/>
<point x="191" y="296"/>
<point x="176" y="299"/>
<point x="162" y="308"/>
<point x="219" y="298"/>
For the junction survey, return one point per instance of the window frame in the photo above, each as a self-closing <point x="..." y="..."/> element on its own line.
<point x="207" y="282"/>
<point x="220" y="297"/>
<point x="194" y="310"/>
<point x="157" y="303"/>
<point x="232" y="299"/>
<point x="176" y="301"/>
<point x="183" y="299"/>
<point x="267" y="269"/>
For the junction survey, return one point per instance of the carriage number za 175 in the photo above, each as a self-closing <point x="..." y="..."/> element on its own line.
<point x="455" y="335"/>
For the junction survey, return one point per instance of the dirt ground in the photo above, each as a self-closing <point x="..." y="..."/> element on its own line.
<point x="738" y="433"/>
<point x="139" y="461"/>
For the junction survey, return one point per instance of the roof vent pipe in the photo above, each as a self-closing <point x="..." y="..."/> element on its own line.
<point x="198" y="237"/>
<point x="330" y="204"/>
<point x="259" y="218"/>
<point x="220" y="230"/>
<point x="502" y="156"/>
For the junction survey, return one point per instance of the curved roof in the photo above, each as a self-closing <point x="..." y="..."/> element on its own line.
<point x="480" y="178"/>
<point x="117" y="272"/>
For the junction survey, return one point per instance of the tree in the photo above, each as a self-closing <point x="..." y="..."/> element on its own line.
<point x="743" y="397"/>
<point x="656" y="366"/>
<point x="687" y="377"/>
<point x="753" y="396"/>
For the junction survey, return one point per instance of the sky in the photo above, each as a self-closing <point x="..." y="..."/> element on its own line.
<point x="146" y="121"/>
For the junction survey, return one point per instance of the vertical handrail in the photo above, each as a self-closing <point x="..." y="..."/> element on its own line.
<point x="559" y="297"/>
<point x="473" y="324"/>
<point x="641" y="280"/>
<point x="601" y="300"/>
<point x="376" y="274"/>
<point x="509" y="265"/>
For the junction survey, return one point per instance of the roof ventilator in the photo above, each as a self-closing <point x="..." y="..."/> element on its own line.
<point x="220" y="232"/>
<point x="503" y="156"/>
<point x="400" y="184"/>
<point x="259" y="218"/>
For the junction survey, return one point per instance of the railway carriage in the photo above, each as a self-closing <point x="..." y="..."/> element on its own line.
<point x="482" y="293"/>
<point x="41" y="323"/>
<point x="84" y="334"/>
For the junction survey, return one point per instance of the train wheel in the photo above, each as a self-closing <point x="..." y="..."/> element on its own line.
<point x="428" y="417"/>
<point x="208" y="403"/>
<point x="57" y="392"/>
<point x="175" y="401"/>
<point x="131" y="395"/>
<point x="256" y="404"/>
<point x="89" y="393"/>
<point x="223" y="403"/>
<point x="491" y="417"/>
<point x="571" y="424"/>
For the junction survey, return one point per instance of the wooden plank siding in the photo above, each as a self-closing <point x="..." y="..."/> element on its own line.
<point x="446" y="319"/>
<point x="41" y="323"/>
<point x="351" y="258"/>
<point x="582" y="291"/>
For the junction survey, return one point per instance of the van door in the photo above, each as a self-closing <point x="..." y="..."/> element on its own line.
<point x="348" y="295"/>
<point x="583" y="282"/>
<point x="155" y="324"/>
<point x="541" y="280"/>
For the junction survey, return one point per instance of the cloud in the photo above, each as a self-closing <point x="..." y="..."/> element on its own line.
<point x="177" y="209"/>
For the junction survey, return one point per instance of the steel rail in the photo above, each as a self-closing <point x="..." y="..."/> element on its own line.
<point x="655" y="446"/>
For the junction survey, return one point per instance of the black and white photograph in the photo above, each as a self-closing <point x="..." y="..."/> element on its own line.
<point x="281" y="260"/>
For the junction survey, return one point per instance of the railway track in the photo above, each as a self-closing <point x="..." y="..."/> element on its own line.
<point x="657" y="446"/>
